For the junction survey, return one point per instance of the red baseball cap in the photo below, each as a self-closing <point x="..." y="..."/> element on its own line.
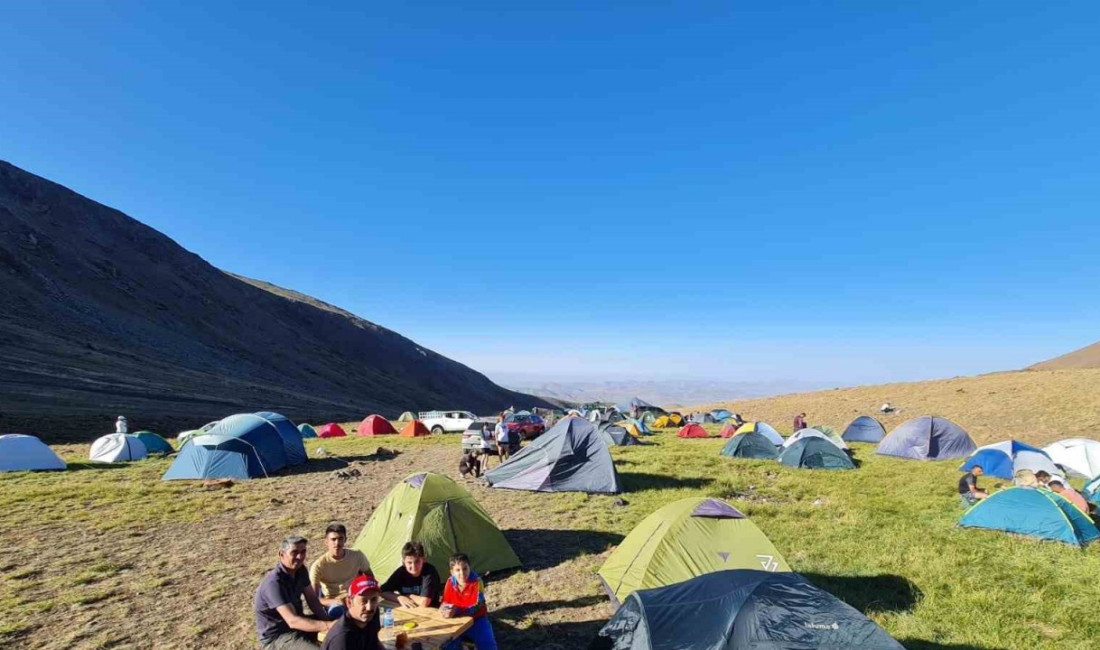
<point x="363" y="584"/>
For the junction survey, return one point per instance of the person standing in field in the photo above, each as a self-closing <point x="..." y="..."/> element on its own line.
<point x="121" y="426"/>
<point x="799" y="422"/>
<point x="503" y="443"/>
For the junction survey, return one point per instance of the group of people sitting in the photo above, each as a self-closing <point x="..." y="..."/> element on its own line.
<point x="344" y="598"/>
<point x="476" y="461"/>
<point x="970" y="493"/>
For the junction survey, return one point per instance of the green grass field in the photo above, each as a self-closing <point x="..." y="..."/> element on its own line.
<point x="91" y="548"/>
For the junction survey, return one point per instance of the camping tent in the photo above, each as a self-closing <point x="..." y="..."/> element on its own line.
<point x="1037" y="512"/>
<point x="750" y="445"/>
<point x="661" y="422"/>
<point x="764" y="429"/>
<point x="415" y="429"/>
<point x="693" y="431"/>
<point x="375" y="425"/>
<point x="407" y="416"/>
<point x="1004" y="459"/>
<point x="117" y="448"/>
<point x="618" y="436"/>
<point x="441" y="515"/>
<point x="813" y="433"/>
<point x="721" y="415"/>
<point x="864" y="429"/>
<point x="702" y="418"/>
<point x="741" y="610"/>
<point x="675" y="419"/>
<point x="1092" y="491"/>
<point x="307" y="431"/>
<point x="635" y="427"/>
<point x="927" y="438"/>
<point x="331" y="430"/>
<point x="570" y="457"/>
<point x="184" y="436"/>
<point x="20" y="453"/>
<point x="154" y="443"/>
<point x="813" y="452"/>
<point x="240" y="446"/>
<point x="1077" y="456"/>
<point x="293" y="448"/>
<point x="684" y="539"/>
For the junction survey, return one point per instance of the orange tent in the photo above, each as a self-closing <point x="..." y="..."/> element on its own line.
<point x="330" y="430"/>
<point x="693" y="431"/>
<point x="375" y="425"/>
<point x="414" y="429"/>
<point x="728" y="431"/>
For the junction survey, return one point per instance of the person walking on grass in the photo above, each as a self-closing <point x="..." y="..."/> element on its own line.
<point x="969" y="492"/>
<point x="281" y="623"/>
<point x="357" y="628"/>
<point x="464" y="595"/>
<point x="331" y="573"/>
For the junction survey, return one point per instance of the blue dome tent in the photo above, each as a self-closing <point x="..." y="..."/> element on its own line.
<point x="241" y="446"/>
<point x="292" y="438"/>
<point x="1004" y="459"/>
<point x="864" y="429"/>
<point x="927" y="438"/>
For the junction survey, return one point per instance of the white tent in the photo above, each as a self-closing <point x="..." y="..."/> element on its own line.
<point x="19" y="452"/>
<point x="117" y="448"/>
<point x="1078" y="456"/>
<point x="813" y="433"/>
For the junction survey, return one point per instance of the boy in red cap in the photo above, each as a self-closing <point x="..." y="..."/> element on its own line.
<point x="358" y="628"/>
<point x="462" y="596"/>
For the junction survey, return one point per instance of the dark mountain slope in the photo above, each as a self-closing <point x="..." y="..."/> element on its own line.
<point x="101" y="315"/>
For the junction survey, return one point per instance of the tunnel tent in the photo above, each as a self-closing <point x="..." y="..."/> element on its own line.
<point x="20" y="452"/>
<point x="814" y="452"/>
<point x="750" y="445"/>
<point x="117" y="448"/>
<point x="293" y="448"/>
<point x="307" y="431"/>
<point x="864" y="429"/>
<point x="683" y="539"/>
<point x="1004" y="459"/>
<point x="241" y="446"/>
<point x="741" y="609"/>
<point x="154" y="442"/>
<point x="375" y="425"/>
<point x="1035" y="512"/>
<point x="570" y="457"/>
<point x="927" y="438"/>
<point x="764" y="429"/>
<point x="440" y="514"/>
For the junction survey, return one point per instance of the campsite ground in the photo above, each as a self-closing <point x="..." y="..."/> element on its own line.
<point x="112" y="557"/>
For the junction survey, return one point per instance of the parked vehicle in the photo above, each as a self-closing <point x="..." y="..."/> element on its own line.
<point x="446" y="421"/>
<point x="479" y="435"/>
<point x="525" y="426"/>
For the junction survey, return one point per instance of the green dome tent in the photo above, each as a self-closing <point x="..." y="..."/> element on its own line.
<point x="684" y="539"/>
<point x="154" y="442"/>
<point x="750" y="445"/>
<point x="441" y="515"/>
<point x="813" y="452"/>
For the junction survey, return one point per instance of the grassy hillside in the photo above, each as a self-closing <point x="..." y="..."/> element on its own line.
<point x="1037" y="406"/>
<point x="110" y="556"/>
<point x="1086" y="357"/>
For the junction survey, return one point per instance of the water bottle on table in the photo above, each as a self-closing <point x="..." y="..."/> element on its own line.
<point x="387" y="617"/>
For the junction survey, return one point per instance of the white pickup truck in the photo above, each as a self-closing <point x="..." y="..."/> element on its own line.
<point x="446" y="421"/>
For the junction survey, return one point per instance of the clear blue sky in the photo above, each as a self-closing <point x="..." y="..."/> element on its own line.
<point x="867" y="190"/>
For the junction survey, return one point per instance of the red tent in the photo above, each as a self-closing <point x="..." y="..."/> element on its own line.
<point x="414" y="429"/>
<point x="693" y="431"/>
<point x="330" y="430"/>
<point x="375" y="425"/>
<point x="728" y="431"/>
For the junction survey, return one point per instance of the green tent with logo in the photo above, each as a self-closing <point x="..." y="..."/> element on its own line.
<point x="441" y="515"/>
<point x="684" y="539"/>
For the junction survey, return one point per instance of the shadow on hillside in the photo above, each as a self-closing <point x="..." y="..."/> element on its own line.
<point x="870" y="594"/>
<point x="636" y="481"/>
<point x="542" y="549"/>
<point x="333" y="463"/>
<point x="76" y="467"/>
<point x="920" y="644"/>
<point x="523" y="611"/>
<point x="549" y="636"/>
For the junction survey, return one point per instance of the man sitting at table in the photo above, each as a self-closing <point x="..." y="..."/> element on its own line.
<point x="358" y="628"/>
<point x="281" y="623"/>
<point x="415" y="583"/>
<point x="464" y="595"/>
<point x="331" y="573"/>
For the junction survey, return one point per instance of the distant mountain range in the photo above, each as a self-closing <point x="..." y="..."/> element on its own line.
<point x="664" y="393"/>
<point x="101" y="315"/>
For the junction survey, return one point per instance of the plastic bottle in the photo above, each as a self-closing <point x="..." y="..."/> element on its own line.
<point x="387" y="617"/>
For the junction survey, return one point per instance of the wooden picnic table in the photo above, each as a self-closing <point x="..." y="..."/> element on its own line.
<point x="432" y="629"/>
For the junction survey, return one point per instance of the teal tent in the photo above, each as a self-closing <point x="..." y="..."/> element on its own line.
<point x="1036" y="512"/>
<point x="154" y="443"/>
<point x="307" y="431"/>
<point x="750" y="445"/>
<point x="815" y="453"/>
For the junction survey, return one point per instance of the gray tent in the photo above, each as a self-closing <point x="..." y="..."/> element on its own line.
<point x="864" y="429"/>
<point x="743" y="609"/>
<point x="570" y="457"/>
<point x="927" y="438"/>
<point x="613" y="434"/>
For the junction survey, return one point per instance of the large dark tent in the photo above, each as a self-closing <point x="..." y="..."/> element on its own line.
<point x="815" y="453"/>
<point x="927" y="438"/>
<point x="613" y="434"/>
<point x="742" y="609"/>
<point x="750" y="445"/>
<point x="864" y="429"/>
<point x="570" y="457"/>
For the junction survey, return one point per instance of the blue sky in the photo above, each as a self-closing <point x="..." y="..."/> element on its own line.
<point x="836" y="192"/>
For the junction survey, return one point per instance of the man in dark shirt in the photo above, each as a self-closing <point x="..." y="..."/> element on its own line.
<point x="415" y="583"/>
<point x="281" y="623"/>
<point x="358" y="628"/>
<point x="969" y="492"/>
